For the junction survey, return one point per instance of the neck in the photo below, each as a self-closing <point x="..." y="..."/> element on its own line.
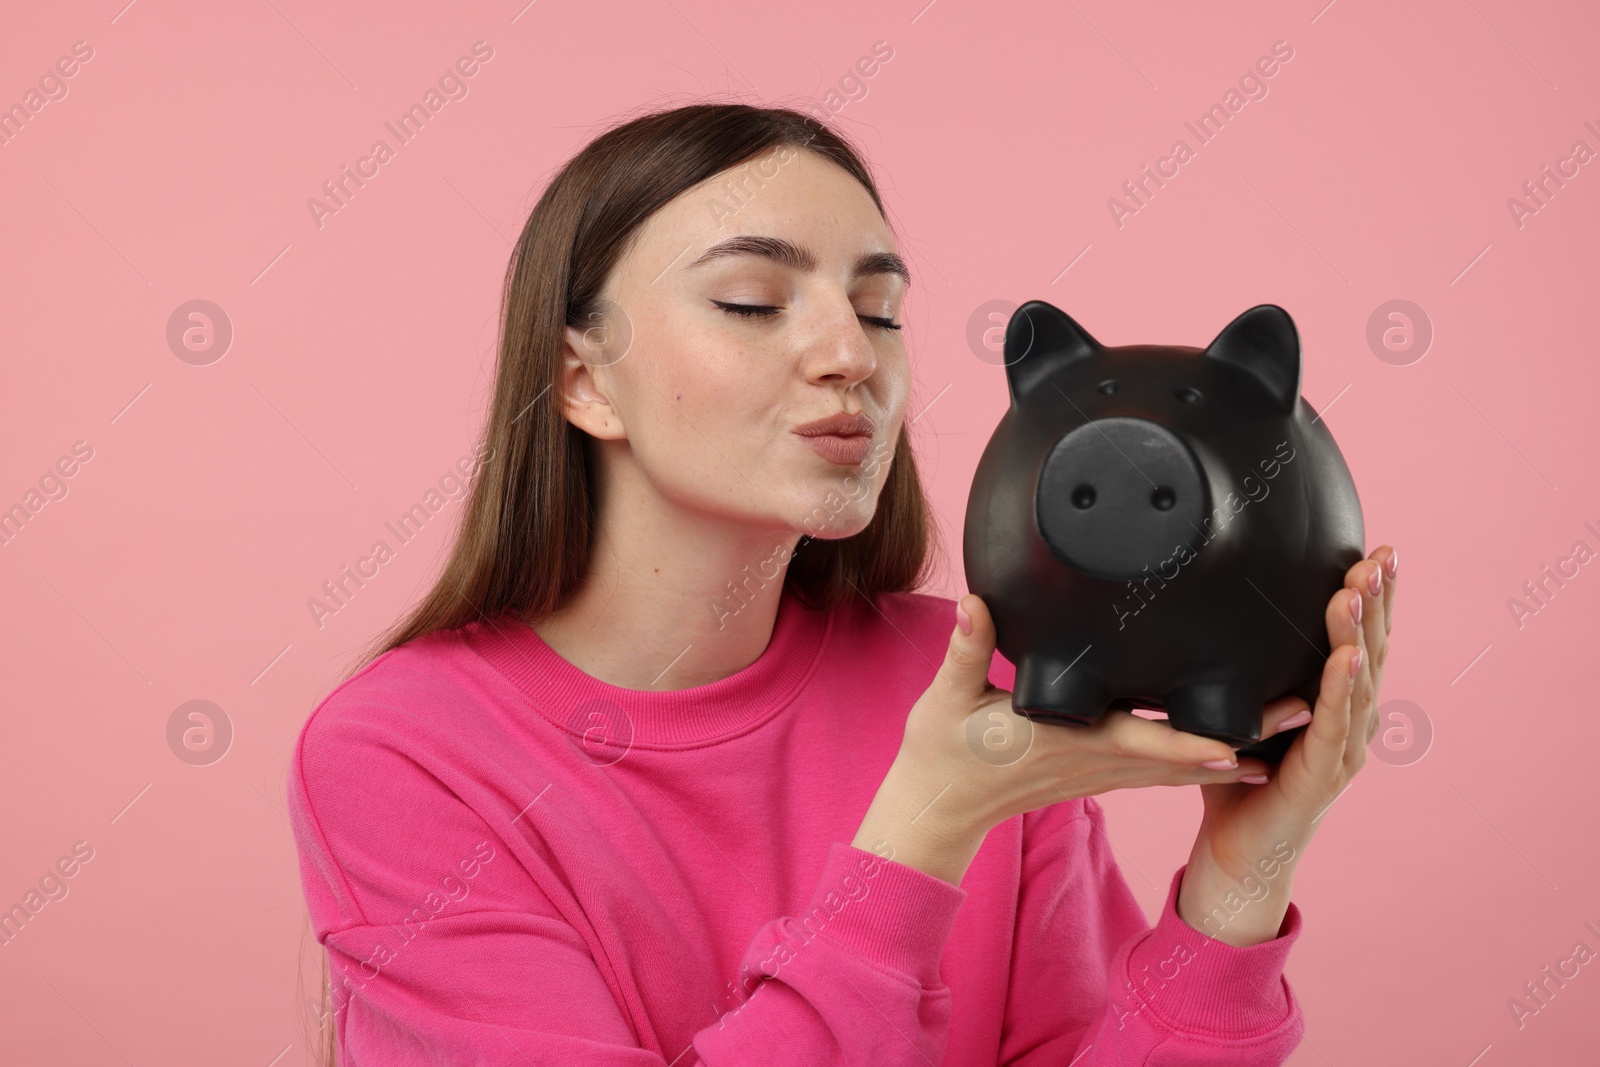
<point x="673" y="598"/>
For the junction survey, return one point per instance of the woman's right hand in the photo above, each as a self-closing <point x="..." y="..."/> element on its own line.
<point x="968" y="761"/>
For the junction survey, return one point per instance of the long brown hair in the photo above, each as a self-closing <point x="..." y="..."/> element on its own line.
<point x="524" y="543"/>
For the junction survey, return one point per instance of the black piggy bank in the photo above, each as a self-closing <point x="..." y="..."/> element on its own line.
<point x="1161" y="526"/>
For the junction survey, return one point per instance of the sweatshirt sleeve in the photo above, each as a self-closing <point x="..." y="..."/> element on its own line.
<point x="1094" y="985"/>
<point x="444" y="950"/>
<point x="854" y="979"/>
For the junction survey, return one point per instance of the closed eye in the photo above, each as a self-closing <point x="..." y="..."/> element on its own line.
<point x="765" y="310"/>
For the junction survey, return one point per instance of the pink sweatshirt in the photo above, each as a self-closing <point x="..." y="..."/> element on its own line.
<point x="510" y="862"/>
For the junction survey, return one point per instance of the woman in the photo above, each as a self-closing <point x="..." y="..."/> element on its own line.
<point x="671" y="766"/>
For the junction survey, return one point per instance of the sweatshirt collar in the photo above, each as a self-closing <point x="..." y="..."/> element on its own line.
<point x="606" y="720"/>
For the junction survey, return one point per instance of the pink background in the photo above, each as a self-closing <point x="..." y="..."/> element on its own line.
<point x="220" y="497"/>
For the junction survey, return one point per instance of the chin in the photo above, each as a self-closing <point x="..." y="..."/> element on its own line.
<point x="833" y="515"/>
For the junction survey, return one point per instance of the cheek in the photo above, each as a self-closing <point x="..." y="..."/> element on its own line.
<point x="897" y="390"/>
<point x="719" y="405"/>
<point x="700" y="425"/>
<point x="701" y="375"/>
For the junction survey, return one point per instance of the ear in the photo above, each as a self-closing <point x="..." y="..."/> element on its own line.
<point x="1264" y="343"/>
<point x="583" y="398"/>
<point x="1040" y="340"/>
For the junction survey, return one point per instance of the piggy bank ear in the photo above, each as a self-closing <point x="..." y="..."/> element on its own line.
<point x="1040" y="340"/>
<point x="1264" y="343"/>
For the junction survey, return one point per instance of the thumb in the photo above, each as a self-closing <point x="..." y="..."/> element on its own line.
<point x="965" y="671"/>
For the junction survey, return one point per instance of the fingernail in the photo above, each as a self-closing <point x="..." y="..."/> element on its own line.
<point x="1355" y="663"/>
<point x="1355" y="607"/>
<point x="1299" y="718"/>
<point x="1254" y="779"/>
<point x="1375" y="583"/>
<point x="1393" y="566"/>
<point x="1221" y="764"/>
<point x="964" y="621"/>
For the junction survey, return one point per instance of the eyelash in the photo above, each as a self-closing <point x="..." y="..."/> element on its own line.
<point x="749" y="311"/>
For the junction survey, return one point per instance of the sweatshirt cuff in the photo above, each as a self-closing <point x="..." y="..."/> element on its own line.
<point x="894" y="915"/>
<point x="1192" y="982"/>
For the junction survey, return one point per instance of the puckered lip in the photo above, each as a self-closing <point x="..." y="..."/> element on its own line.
<point x="840" y="424"/>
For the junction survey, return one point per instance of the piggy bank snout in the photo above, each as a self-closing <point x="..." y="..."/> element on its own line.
<point x="1119" y="494"/>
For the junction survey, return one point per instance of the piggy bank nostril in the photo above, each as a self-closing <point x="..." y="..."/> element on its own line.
<point x="1163" y="499"/>
<point x="1083" y="497"/>
<point x="1188" y="396"/>
<point x="1108" y="386"/>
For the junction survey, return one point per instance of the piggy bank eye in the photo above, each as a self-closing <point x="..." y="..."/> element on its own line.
<point x="1108" y="386"/>
<point x="1187" y="395"/>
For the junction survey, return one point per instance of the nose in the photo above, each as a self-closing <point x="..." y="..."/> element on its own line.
<point x="1118" y="494"/>
<point x="840" y="352"/>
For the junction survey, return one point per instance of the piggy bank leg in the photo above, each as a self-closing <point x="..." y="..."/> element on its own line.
<point x="1274" y="748"/>
<point x="1052" y="689"/>
<point x="1227" y="712"/>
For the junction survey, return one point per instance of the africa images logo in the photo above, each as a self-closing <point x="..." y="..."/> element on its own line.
<point x="452" y="85"/>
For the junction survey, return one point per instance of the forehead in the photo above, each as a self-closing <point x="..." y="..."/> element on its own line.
<point x="803" y="198"/>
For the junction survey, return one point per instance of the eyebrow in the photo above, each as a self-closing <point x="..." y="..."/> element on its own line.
<point x="798" y="258"/>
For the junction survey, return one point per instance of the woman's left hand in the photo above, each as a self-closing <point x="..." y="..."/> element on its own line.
<point x="1258" y="832"/>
